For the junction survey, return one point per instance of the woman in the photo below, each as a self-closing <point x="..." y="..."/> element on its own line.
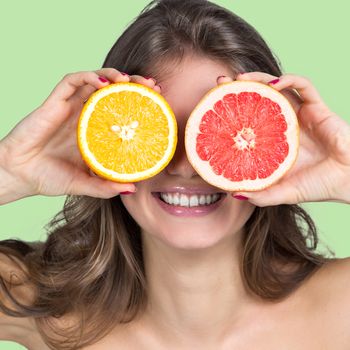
<point x="131" y="276"/>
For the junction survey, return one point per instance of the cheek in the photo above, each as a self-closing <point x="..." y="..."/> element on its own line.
<point x="131" y="204"/>
<point x="193" y="232"/>
<point x="233" y="216"/>
<point x="138" y="208"/>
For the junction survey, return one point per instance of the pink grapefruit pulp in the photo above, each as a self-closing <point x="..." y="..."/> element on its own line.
<point x="242" y="136"/>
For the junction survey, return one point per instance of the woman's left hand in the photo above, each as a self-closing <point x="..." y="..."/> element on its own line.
<point x="322" y="169"/>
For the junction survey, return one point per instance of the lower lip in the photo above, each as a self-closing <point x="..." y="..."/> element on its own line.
<point x="177" y="210"/>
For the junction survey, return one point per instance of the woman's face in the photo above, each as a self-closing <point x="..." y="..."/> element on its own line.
<point x="198" y="226"/>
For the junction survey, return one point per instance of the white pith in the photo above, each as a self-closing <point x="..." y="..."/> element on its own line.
<point x="192" y="130"/>
<point x="245" y="138"/>
<point x="189" y="201"/>
<point x="127" y="132"/>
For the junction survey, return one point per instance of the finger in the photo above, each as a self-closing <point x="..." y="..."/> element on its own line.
<point x="291" y="94"/>
<point x="256" y="76"/>
<point x="264" y="78"/>
<point x="276" y="194"/>
<point x="94" y="186"/>
<point x="147" y="81"/>
<point x="310" y="96"/>
<point x="223" y="79"/>
<point x="83" y="93"/>
<point x="69" y="85"/>
<point x="113" y="75"/>
<point x="303" y="86"/>
<point x="158" y="89"/>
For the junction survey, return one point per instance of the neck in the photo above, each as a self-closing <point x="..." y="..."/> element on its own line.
<point x="194" y="294"/>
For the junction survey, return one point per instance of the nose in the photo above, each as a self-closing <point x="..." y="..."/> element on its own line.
<point x="179" y="164"/>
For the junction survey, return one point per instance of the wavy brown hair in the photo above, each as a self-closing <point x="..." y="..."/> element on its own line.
<point x="91" y="264"/>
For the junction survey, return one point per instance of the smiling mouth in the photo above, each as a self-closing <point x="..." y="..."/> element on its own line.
<point x="189" y="201"/>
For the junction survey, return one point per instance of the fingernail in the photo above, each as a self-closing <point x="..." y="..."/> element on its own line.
<point x="125" y="74"/>
<point x="275" y="81"/>
<point x="127" y="192"/>
<point x="150" y="78"/>
<point x="159" y="86"/>
<point x="104" y="80"/>
<point x="241" y="198"/>
<point x="221" y="76"/>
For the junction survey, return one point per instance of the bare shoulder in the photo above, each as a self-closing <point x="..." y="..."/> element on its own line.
<point x="23" y="330"/>
<point x="329" y="292"/>
<point x="333" y="279"/>
<point x="16" y="329"/>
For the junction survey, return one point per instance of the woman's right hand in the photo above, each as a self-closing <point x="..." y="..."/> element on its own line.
<point x="41" y="153"/>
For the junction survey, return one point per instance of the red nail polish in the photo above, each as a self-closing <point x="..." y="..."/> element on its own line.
<point x="104" y="80"/>
<point x="126" y="192"/>
<point x="241" y="198"/>
<point x="275" y="81"/>
<point x="150" y="78"/>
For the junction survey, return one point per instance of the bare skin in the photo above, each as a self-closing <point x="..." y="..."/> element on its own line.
<point x="316" y="316"/>
<point x="197" y="297"/>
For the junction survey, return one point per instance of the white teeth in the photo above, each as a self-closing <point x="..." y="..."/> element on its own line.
<point x="189" y="201"/>
<point x="207" y="199"/>
<point x="168" y="199"/>
<point x="184" y="201"/>
<point x="202" y="199"/>
<point x="194" y="201"/>
<point x="176" y="199"/>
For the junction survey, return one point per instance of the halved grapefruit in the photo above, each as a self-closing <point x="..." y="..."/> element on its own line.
<point x="242" y="136"/>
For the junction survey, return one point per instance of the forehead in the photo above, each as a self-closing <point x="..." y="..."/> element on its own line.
<point x="185" y="83"/>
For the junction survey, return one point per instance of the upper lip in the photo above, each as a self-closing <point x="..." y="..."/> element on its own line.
<point x="188" y="190"/>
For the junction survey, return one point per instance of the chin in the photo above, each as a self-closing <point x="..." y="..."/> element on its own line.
<point x="192" y="236"/>
<point x="188" y="233"/>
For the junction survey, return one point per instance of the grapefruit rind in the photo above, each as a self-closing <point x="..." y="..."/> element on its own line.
<point x="89" y="157"/>
<point x="207" y="102"/>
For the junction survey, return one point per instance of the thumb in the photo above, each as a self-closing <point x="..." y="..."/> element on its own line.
<point x="282" y="193"/>
<point x="100" y="188"/>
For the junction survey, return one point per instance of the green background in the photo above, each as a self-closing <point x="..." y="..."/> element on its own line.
<point x="41" y="41"/>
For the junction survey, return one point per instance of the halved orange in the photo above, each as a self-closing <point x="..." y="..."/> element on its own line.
<point x="127" y="132"/>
